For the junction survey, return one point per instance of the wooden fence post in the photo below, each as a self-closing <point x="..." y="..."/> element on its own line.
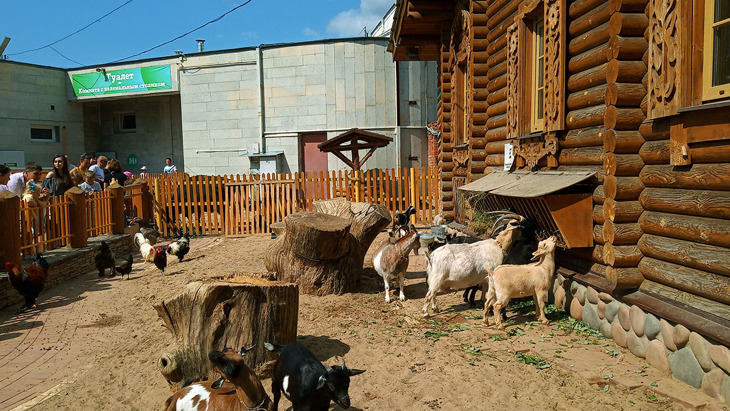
<point x="10" y="227"/>
<point x="158" y="204"/>
<point x="117" y="208"/>
<point x="142" y="202"/>
<point x="77" y="217"/>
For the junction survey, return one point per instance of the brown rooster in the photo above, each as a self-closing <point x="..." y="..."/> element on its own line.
<point x="160" y="259"/>
<point x="29" y="280"/>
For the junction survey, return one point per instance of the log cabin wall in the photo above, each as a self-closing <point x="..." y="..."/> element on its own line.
<point x="686" y="199"/>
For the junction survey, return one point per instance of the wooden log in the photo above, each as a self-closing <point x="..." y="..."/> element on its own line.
<point x="496" y="109"/>
<point x="703" y="230"/>
<point x="586" y="98"/>
<point x="498" y="70"/>
<point x="589" y="59"/>
<point x="624" y="94"/>
<point x="480" y="57"/>
<point x="497" y="84"/>
<point x="623" y="118"/>
<point x="599" y="196"/>
<point x="655" y="130"/>
<point x="497" y="96"/>
<point x="230" y="312"/>
<point x="622" y="142"/>
<point x="625" y="71"/>
<point x="592" y="19"/>
<point x="588" y="78"/>
<point x="594" y="254"/>
<point x="627" y="278"/>
<point x="498" y="12"/>
<point x="621" y="234"/>
<point x="583" y="137"/>
<point x="655" y="152"/>
<point x="588" y="40"/>
<point x="697" y="282"/>
<point x="476" y="142"/>
<point x="581" y="156"/>
<point x="627" y="48"/>
<point x="711" y="152"/>
<point x="496" y="122"/>
<point x="696" y="176"/>
<point x="478" y="154"/>
<point x="598" y="214"/>
<point x="586" y="117"/>
<point x="621" y="255"/>
<point x="581" y="7"/>
<point x="704" y="257"/>
<point x="494" y="160"/>
<point x="496" y="147"/>
<point x="578" y="8"/>
<point x="496" y="133"/>
<point x="478" y="167"/>
<point x="689" y="202"/>
<point x="623" y="188"/>
<point x="622" y="211"/>
<point x="628" y="24"/>
<point x="622" y="164"/>
<point x="598" y="234"/>
<point x="697" y="302"/>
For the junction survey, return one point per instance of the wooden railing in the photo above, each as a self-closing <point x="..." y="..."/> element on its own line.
<point x="44" y="228"/>
<point x="99" y="213"/>
<point x="246" y="204"/>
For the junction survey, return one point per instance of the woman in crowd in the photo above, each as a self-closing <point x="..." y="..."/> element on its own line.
<point x="58" y="180"/>
<point x="116" y="173"/>
<point x="4" y="177"/>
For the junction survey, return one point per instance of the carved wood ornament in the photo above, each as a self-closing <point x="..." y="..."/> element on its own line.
<point x="554" y="73"/>
<point x="532" y="150"/>
<point x="460" y="158"/>
<point x="513" y="81"/>
<point x="663" y="57"/>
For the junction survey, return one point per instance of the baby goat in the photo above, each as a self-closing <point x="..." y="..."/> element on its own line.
<point x="391" y="261"/>
<point x="513" y="281"/>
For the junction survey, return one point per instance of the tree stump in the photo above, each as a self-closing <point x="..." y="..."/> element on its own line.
<point x="231" y="312"/>
<point x="277" y="228"/>
<point x="324" y="251"/>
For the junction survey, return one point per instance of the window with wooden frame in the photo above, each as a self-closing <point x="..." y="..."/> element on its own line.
<point x="689" y="73"/>
<point x="536" y="65"/>
<point x="537" y="109"/>
<point x="716" y="58"/>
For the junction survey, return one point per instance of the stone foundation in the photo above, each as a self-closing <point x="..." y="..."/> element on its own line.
<point x="66" y="263"/>
<point x="671" y="348"/>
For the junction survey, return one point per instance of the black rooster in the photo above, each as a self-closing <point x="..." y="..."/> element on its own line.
<point x="160" y="259"/>
<point x="28" y="281"/>
<point x="179" y="248"/>
<point x="105" y="259"/>
<point x="126" y="267"/>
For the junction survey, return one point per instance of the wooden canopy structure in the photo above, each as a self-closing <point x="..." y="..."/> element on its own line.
<point x="354" y="140"/>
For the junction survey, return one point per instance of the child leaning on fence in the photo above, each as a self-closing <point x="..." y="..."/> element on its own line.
<point x="90" y="185"/>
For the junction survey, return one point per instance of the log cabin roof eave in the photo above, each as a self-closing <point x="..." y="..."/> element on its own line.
<point x="429" y="30"/>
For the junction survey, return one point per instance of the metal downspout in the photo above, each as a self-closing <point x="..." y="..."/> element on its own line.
<point x="260" y="73"/>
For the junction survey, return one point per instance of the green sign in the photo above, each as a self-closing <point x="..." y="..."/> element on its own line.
<point x="122" y="81"/>
<point x="132" y="161"/>
<point x="11" y="164"/>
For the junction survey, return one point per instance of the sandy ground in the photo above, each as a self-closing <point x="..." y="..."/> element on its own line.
<point x="450" y="362"/>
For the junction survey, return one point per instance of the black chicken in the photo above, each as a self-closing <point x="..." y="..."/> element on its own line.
<point x="126" y="267"/>
<point x="105" y="259"/>
<point x="179" y="248"/>
<point x="28" y="281"/>
<point x="160" y="259"/>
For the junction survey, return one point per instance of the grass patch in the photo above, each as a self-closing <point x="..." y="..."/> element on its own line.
<point x="535" y="360"/>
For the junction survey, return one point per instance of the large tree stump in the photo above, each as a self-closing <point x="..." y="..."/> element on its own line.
<point x="232" y="312"/>
<point x="324" y="252"/>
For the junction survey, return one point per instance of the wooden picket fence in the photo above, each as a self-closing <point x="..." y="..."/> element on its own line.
<point x="248" y="204"/>
<point x="44" y="228"/>
<point x="99" y="213"/>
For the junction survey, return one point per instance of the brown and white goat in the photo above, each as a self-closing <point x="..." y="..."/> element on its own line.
<point x="514" y="281"/>
<point x="391" y="261"/>
<point x="242" y="391"/>
<point x="457" y="266"/>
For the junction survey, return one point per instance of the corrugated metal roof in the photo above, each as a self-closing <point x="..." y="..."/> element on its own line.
<point x="526" y="184"/>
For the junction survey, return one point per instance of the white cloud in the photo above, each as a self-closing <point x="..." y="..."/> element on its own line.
<point x="309" y="32"/>
<point x="351" y="22"/>
<point x="249" y="35"/>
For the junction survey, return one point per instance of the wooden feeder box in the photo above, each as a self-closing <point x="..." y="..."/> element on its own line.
<point x="560" y="202"/>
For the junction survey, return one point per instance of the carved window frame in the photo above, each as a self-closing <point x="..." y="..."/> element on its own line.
<point x="677" y="77"/>
<point x="532" y="142"/>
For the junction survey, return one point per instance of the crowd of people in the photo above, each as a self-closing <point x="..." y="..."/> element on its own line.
<point x="93" y="174"/>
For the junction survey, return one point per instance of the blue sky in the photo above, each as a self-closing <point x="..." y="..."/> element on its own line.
<point x="143" y="24"/>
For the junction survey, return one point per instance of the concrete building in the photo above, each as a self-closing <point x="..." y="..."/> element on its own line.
<point x="258" y="109"/>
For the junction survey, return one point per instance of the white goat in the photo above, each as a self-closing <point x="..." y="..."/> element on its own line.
<point x="466" y="265"/>
<point x="391" y="261"/>
<point x="514" y="281"/>
<point x="145" y="248"/>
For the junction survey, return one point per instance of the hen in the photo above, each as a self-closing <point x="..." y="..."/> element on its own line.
<point x="126" y="267"/>
<point x="149" y="231"/>
<point x="160" y="259"/>
<point x="105" y="259"/>
<point x="179" y="248"/>
<point x="28" y="281"/>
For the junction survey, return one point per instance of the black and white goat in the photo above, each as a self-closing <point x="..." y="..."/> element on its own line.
<point x="306" y="382"/>
<point x="402" y="220"/>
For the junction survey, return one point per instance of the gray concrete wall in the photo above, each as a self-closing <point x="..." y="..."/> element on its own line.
<point x="327" y="87"/>
<point x="33" y="95"/>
